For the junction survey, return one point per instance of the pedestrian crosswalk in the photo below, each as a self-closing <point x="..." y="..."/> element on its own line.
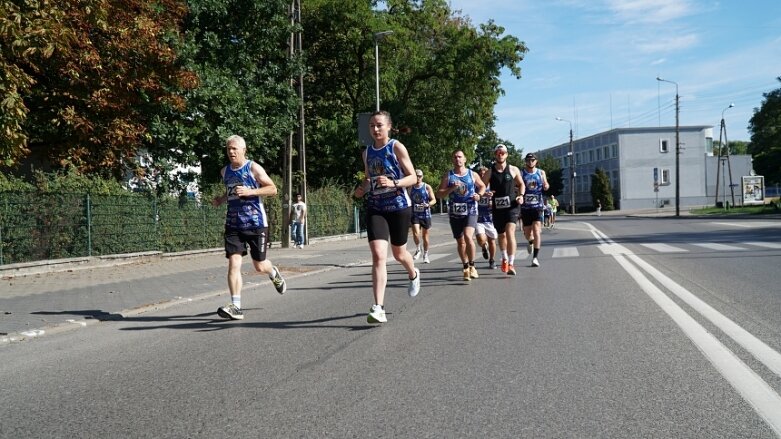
<point x="557" y="252"/>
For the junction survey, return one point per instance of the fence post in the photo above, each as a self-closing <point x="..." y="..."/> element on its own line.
<point x="355" y="219"/>
<point x="89" y="225"/>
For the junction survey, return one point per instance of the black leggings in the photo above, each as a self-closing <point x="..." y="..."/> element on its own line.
<point x="389" y="225"/>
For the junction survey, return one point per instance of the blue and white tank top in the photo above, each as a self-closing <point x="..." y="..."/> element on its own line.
<point x="462" y="202"/>
<point x="381" y="162"/>
<point x="420" y="200"/>
<point x="484" y="214"/>
<point x="243" y="213"/>
<point x="533" y="182"/>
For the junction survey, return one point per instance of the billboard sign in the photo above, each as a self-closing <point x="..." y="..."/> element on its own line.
<point x="753" y="187"/>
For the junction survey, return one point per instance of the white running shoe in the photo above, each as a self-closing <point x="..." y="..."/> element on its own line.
<point x="426" y="259"/>
<point x="414" y="284"/>
<point x="376" y="315"/>
<point x="230" y="311"/>
<point x="417" y="254"/>
<point x="279" y="282"/>
<point x="535" y="262"/>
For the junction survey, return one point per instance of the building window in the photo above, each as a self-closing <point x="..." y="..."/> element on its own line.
<point x="606" y="152"/>
<point x="664" y="145"/>
<point x="709" y="145"/>
<point x="577" y="158"/>
<point x="591" y="156"/>
<point x="614" y="147"/>
<point x="665" y="177"/>
<point x="599" y="154"/>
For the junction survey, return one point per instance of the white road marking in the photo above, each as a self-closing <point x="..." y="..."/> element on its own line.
<point x="774" y="245"/>
<point x="664" y="248"/>
<point x="765" y="401"/>
<point x="717" y="246"/>
<point x="565" y="252"/>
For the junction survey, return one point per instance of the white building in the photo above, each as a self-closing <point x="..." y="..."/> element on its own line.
<point x="640" y="160"/>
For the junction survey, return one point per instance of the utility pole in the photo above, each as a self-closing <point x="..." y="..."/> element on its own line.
<point x="294" y="49"/>
<point x="571" y="156"/>
<point x="677" y="148"/>
<point x="301" y="121"/>
<point x="723" y="152"/>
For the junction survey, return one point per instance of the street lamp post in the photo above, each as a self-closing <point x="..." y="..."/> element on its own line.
<point x="571" y="155"/>
<point x="377" y="37"/>
<point x="677" y="148"/>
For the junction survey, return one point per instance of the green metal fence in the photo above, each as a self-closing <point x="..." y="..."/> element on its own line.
<point x="35" y="226"/>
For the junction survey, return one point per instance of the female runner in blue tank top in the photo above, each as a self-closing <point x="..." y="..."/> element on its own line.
<point x="388" y="171"/>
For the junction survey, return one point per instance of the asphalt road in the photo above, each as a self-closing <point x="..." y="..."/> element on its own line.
<point x="632" y="327"/>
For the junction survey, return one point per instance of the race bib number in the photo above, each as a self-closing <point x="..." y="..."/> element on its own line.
<point x="420" y="208"/>
<point x="485" y="201"/>
<point x="460" y="209"/>
<point x="532" y="199"/>
<point x="380" y="190"/>
<point x="502" y="202"/>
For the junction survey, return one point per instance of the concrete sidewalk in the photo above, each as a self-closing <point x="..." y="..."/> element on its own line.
<point x="49" y="297"/>
<point x="54" y="296"/>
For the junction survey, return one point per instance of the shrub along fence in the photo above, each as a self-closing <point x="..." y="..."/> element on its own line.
<point x="43" y="226"/>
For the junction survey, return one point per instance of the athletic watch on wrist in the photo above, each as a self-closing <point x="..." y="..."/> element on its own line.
<point x="395" y="182"/>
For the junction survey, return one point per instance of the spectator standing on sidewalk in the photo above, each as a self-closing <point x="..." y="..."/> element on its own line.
<point x="298" y="221"/>
<point x="423" y="198"/>
<point x="246" y="222"/>
<point x="599" y="208"/>
<point x="388" y="170"/>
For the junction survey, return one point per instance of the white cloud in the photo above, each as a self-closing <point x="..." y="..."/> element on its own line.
<point x="650" y="11"/>
<point x="669" y="44"/>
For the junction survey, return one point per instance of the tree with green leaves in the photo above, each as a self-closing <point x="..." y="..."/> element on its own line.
<point x="601" y="189"/>
<point x="439" y="78"/>
<point x="552" y="168"/>
<point x="85" y="79"/>
<point x="765" y="127"/>
<point x="239" y="52"/>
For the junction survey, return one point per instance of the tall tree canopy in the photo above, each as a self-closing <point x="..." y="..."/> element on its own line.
<point x="85" y="78"/>
<point x="439" y="77"/>
<point x="239" y="51"/>
<point x="765" y="127"/>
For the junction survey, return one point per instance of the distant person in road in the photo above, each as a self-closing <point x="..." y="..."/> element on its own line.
<point x="298" y="221"/>
<point x="485" y="230"/>
<point x="388" y="171"/>
<point x="532" y="208"/>
<point x="554" y="209"/>
<point x="507" y="190"/>
<point x="463" y="187"/>
<point x="599" y="208"/>
<point x="547" y="212"/>
<point x="246" y="222"/>
<point x="423" y="198"/>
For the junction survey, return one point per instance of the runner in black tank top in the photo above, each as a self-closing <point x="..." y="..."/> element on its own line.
<point x="506" y="189"/>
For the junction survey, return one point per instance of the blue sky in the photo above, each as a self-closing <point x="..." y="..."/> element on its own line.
<point x="595" y="63"/>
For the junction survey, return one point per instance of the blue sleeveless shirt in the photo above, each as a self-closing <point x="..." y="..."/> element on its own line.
<point x="419" y="196"/>
<point x="484" y="211"/>
<point x="380" y="162"/>
<point x="243" y="213"/>
<point x="533" y="182"/>
<point x="462" y="201"/>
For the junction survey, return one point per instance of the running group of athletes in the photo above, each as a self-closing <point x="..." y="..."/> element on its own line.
<point x="489" y="204"/>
